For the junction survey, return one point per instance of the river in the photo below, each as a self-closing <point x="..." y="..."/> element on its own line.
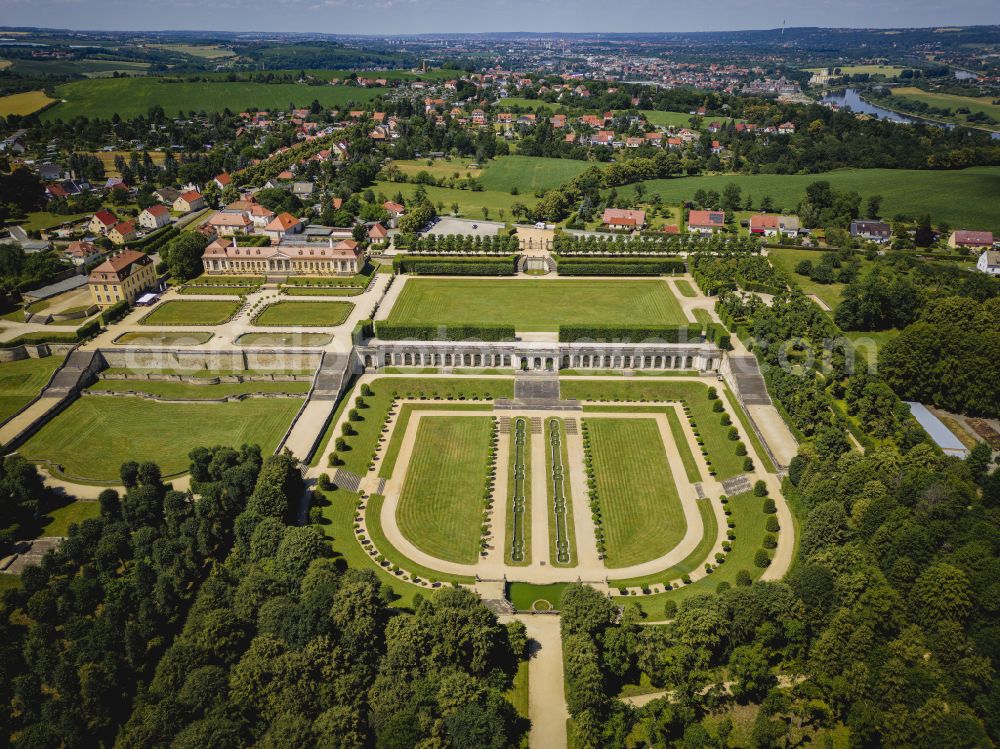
<point x="849" y="98"/>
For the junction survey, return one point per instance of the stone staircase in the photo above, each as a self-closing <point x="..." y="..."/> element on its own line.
<point x="550" y="264"/>
<point x="330" y="377"/>
<point x="72" y="376"/>
<point x="749" y="381"/>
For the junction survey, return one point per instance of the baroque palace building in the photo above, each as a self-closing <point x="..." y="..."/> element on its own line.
<point x="226" y="257"/>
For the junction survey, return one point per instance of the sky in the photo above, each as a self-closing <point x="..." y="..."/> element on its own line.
<point x="421" y="16"/>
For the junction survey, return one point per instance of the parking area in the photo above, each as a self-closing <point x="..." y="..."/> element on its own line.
<point x="452" y="225"/>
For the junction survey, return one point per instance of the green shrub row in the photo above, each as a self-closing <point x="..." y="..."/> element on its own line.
<point x="389" y="331"/>
<point x="631" y="333"/>
<point x="116" y="311"/>
<point x="455" y="266"/>
<point x="619" y="267"/>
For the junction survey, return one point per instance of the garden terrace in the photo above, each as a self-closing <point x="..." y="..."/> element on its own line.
<point x="192" y="312"/>
<point x="459" y="244"/>
<point x="304" y="314"/>
<point x="670" y="244"/>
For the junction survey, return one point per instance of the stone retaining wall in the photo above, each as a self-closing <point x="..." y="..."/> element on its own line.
<point x="152" y="397"/>
<point x="218" y="380"/>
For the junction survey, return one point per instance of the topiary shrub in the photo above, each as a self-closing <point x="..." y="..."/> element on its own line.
<point x="772" y="525"/>
<point x="760" y="488"/>
<point x="743" y="578"/>
<point x="761" y="559"/>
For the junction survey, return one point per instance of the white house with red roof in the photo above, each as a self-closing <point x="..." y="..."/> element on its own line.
<point x="154" y="217"/>
<point x="773" y="224"/>
<point x="282" y="225"/>
<point x="102" y="222"/>
<point x="620" y="218"/>
<point x="222" y="181"/>
<point x="189" y="202"/>
<point x="706" y="222"/>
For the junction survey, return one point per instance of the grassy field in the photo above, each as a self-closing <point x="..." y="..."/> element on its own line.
<point x="90" y="67"/>
<point x="186" y="338"/>
<point x="721" y="450"/>
<point x="57" y="521"/>
<point x="530" y="173"/>
<point x="130" y="97"/>
<point x="525" y="595"/>
<point x="441" y="503"/>
<point x="470" y="204"/>
<point x="305" y="314"/>
<point x="964" y="198"/>
<point x="973" y="103"/>
<point x="284" y="339"/>
<point x="42" y="220"/>
<point x="190" y="391"/>
<point x="533" y="305"/>
<point x="92" y="437"/>
<point x="22" y="104"/>
<point x="679" y="119"/>
<point x="749" y="518"/>
<point x="108" y="159"/>
<point x="391" y="453"/>
<point x="438" y="168"/>
<point x="206" y="51"/>
<point x="20" y="381"/>
<point x="641" y="510"/>
<point x="685" y="288"/>
<point x="192" y="312"/>
<point x="828" y="292"/>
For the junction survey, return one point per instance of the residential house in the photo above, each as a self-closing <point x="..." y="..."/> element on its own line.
<point x="976" y="240"/>
<point x="618" y="218"/>
<point x="378" y="234"/>
<point x="102" y="222"/>
<point x="189" y="202"/>
<point x="283" y="224"/>
<point x="706" y="222"/>
<point x="81" y="252"/>
<point x="786" y="128"/>
<point x="634" y="142"/>
<point x="222" y="181"/>
<point x="312" y="259"/>
<point x="227" y="224"/>
<point x="395" y="211"/>
<point x="123" y="276"/>
<point x="167" y="195"/>
<point x="154" y="217"/>
<point x="871" y="231"/>
<point x="122" y="232"/>
<point x="772" y="224"/>
<point x="302" y="189"/>
<point x="260" y="216"/>
<point x="989" y="262"/>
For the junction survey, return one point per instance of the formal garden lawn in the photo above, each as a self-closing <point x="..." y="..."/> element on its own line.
<point x="535" y="305"/>
<point x="284" y="339"/>
<point x="530" y="596"/>
<point x="568" y="524"/>
<point x="305" y="314"/>
<point x="20" y="381"/>
<point x="95" y="434"/>
<point x="530" y="173"/>
<point x="962" y="197"/>
<point x="642" y="514"/>
<point x="441" y="503"/>
<point x="721" y="450"/>
<point x="180" y="338"/>
<point x="749" y="519"/>
<point x="131" y="97"/>
<point x="192" y="312"/>
<point x="58" y="520"/>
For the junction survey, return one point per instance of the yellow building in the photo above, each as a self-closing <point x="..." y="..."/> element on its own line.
<point x="122" y="276"/>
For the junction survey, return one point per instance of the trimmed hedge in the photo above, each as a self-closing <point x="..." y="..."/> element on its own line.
<point x="619" y="267"/>
<point x="631" y="333"/>
<point x="388" y="331"/>
<point x="364" y="330"/>
<point x="455" y="266"/>
<point x="116" y="311"/>
<point x="88" y="329"/>
<point x="32" y="339"/>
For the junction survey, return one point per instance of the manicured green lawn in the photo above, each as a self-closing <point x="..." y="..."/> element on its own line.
<point x="310" y="314"/>
<point x="721" y="450"/>
<point x="20" y="381"/>
<point x="373" y="518"/>
<point x="208" y="280"/>
<point x="441" y="504"/>
<point x="41" y="220"/>
<point x="284" y="339"/>
<point x="749" y="519"/>
<point x="186" y="391"/>
<point x="530" y="173"/>
<point x="95" y="435"/>
<point x="58" y="521"/>
<point x="362" y="445"/>
<point x="642" y="514"/>
<point x="962" y="198"/>
<point x="192" y="312"/>
<point x="685" y="288"/>
<point x="213" y="290"/>
<point x="391" y="453"/>
<point x="313" y="291"/>
<point x="518" y="694"/>
<point x="130" y="97"/>
<point x="185" y="338"/>
<point x="533" y="305"/>
<point x="691" y="471"/>
<point x="523" y="595"/>
<point x="693" y="561"/>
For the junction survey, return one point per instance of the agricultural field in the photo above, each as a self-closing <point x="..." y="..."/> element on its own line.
<point x="22" y="104"/>
<point x="530" y="173"/>
<point x="205" y="51"/>
<point x="192" y="312"/>
<point x="962" y="198"/>
<point x="889" y="71"/>
<point x="641" y="511"/>
<point x="20" y="381"/>
<point x="536" y="305"/>
<point x="305" y="314"/>
<point x="130" y="97"/>
<point x="441" y="503"/>
<point x="90" y="67"/>
<point x="974" y="104"/>
<point x="94" y="435"/>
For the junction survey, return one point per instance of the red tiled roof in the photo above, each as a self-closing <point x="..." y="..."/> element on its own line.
<point x="715" y="219"/>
